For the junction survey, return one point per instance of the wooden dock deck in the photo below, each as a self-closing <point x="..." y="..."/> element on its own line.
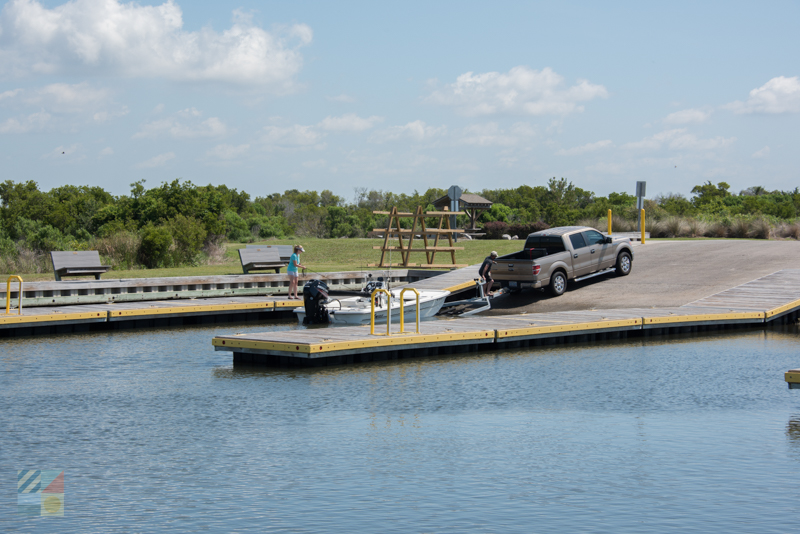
<point x="115" y="315"/>
<point x="78" y="306"/>
<point x="773" y="298"/>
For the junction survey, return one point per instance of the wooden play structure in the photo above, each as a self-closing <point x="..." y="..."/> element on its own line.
<point x="418" y="228"/>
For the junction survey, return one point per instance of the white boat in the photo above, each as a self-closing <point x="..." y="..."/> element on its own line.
<point x="356" y="310"/>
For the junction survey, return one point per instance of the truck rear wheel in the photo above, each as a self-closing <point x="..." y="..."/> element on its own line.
<point x="558" y="284"/>
<point x="624" y="264"/>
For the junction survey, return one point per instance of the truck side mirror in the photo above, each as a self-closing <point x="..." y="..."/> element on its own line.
<point x="609" y="239"/>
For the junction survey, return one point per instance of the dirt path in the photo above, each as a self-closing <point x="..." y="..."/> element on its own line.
<point x="665" y="273"/>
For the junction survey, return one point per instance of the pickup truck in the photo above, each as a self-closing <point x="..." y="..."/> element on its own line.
<point x="554" y="256"/>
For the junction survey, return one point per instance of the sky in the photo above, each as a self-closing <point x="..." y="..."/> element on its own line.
<point x="400" y="96"/>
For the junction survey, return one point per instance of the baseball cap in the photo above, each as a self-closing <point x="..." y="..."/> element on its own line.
<point x="493" y="254"/>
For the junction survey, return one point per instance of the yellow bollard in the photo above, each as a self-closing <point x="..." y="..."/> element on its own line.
<point x="642" y="226"/>
<point x="402" y="310"/>
<point x="388" y="312"/>
<point x="609" y="222"/>
<point x="8" y="294"/>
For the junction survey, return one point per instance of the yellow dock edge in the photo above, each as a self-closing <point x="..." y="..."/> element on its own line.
<point x="459" y="287"/>
<point x="782" y="309"/>
<point x="792" y="376"/>
<point x="51" y="317"/>
<point x="398" y="341"/>
<point x="669" y="319"/>
<point x="143" y="312"/>
<point x="533" y="330"/>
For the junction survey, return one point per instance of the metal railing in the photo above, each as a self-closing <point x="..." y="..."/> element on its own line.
<point x="402" y="310"/>
<point x="388" y="312"/>
<point x="8" y="294"/>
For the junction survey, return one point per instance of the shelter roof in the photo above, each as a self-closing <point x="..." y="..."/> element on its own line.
<point x="468" y="200"/>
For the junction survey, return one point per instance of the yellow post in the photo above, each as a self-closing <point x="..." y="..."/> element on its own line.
<point x="372" y="311"/>
<point x="8" y="294"/>
<point x="402" y="309"/>
<point x="609" y="222"/>
<point x="642" y="226"/>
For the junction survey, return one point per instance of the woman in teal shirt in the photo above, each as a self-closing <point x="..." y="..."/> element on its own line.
<point x="291" y="270"/>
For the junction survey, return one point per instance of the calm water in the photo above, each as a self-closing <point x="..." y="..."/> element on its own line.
<point x="157" y="432"/>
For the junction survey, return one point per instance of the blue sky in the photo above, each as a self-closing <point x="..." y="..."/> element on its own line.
<point x="269" y="96"/>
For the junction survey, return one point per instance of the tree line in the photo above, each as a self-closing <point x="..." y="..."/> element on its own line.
<point x="179" y="223"/>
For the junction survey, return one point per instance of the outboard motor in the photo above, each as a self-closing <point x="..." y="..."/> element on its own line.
<point x="372" y="285"/>
<point x="315" y="294"/>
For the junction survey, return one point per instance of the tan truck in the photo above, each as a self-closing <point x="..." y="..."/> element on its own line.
<point x="553" y="257"/>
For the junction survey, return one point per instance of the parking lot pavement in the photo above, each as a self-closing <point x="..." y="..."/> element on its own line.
<point x="665" y="273"/>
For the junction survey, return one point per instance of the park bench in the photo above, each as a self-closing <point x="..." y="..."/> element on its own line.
<point x="284" y="251"/>
<point x="77" y="263"/>
<point x="259" y="259"/>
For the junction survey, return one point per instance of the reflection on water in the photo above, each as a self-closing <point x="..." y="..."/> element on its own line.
<point x="156" y="432"/>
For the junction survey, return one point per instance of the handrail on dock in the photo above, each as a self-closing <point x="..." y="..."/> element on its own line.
<point x="8" y="294"/>
<point x="388" y="312"/>
<point x="402" y="310"/>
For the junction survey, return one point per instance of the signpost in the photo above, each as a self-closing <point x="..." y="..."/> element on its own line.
<point x="455" y="195"/>
<point x="640" y="193"/>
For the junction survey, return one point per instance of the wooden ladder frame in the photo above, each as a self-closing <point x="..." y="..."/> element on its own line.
<point x="394" y="228"/>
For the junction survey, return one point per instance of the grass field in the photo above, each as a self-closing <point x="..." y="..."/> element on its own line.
<point x="322" y="255"/>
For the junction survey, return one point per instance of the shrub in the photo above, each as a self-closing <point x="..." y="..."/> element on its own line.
<point x="495" y="229"/>
<point x="759" y="229"/>
<point x="121" y="249"/>
<point x="788" y="230"/>
<point x="154" y="250"/>
<point x="522" y="230"/>
<point x="188" y="234"/>
<point x="717" y="229"/>
<point x="739" y="228"/>
<point x="673" y="226"/>
<point x="236" y="228"/>
<point x="696" y="228"/>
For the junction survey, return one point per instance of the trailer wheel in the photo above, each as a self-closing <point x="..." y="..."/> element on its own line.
<point x="558" y="283"/>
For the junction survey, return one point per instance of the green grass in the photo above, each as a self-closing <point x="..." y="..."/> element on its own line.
<point x="322" y="255"/>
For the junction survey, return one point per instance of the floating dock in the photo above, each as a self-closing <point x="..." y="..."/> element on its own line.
<point x="768" y="300"/>
<point x="88" y="305"/>
<point x="792" y="378"/>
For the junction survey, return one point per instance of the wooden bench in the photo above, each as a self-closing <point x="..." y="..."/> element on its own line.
<point x="284" y="251"/>
<point x="259" y="259"/>
<point x="77" y="263"/>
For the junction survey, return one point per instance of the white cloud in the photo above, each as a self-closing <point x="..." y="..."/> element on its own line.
<point x="63" y="98"/>
<point x="687" y="116"/>
<point x="318" y="164"/>
<point x="488" y="134"/>
<point x="9" y="94"/>
<point x="779" y="95"/>
<point x="521" y="90"/>
<point x="228" y="151"/>
<point x="181" y="129"/>
<point x="763" y="153"/>
<point x="107" y="151"/>
<point x="349" y="122"/>
<point x="416" y="131"/>
<point x="34" y="121"/>
<point x="341" y="98"/>
<point x="588" y="147"/>
<point x="106" y="36"/>
<point x="296" y="136"/>
<point x="679" y="139"/>
<point x="66" y="98"/>
<point x="157" y="161"/>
